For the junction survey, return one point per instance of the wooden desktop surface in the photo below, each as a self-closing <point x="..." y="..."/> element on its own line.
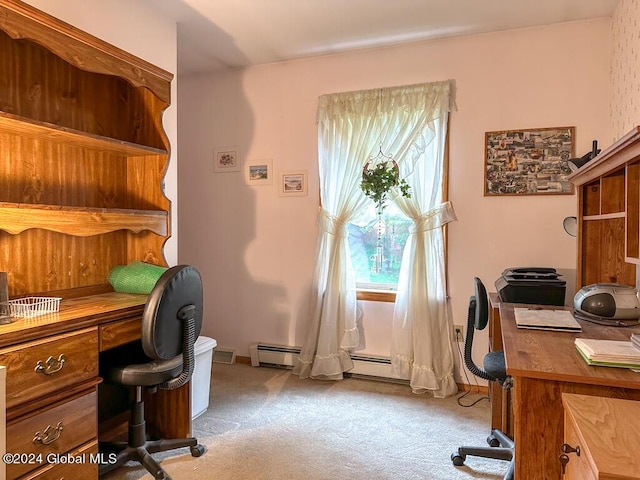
<point x="74" y="314"/>
<point x="543" y="365"/>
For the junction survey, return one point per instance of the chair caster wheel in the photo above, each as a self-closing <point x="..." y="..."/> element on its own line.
<point x="493" y="441"/>
<point x="197" y="451"/>
<point x="457" y="459"/>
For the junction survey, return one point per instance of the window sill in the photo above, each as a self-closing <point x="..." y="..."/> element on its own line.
<point x="376" y="296"/>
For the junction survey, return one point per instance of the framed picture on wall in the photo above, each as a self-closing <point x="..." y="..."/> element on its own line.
<point x="529" y="161"/>
<point x="292" y="183"/>
<point x="226" y="159"/>
<point x="258" y="172"/>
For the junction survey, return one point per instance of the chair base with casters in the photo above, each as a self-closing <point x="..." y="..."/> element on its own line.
<point x="501" y="447"/>
<point x="139" y="449"/>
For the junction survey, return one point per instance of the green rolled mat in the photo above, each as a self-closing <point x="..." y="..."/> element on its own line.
<point x="137" y="277"/>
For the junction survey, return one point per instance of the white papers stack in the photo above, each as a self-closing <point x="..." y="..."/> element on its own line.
<point x="608" y="353"/>
<point x="635" y="340"/>
<point x="545" y="319"/>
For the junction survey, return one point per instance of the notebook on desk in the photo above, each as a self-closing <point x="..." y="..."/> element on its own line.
<point x="546" y="319"/>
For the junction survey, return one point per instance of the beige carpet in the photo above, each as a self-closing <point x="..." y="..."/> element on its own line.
<point x="265" y="423"/>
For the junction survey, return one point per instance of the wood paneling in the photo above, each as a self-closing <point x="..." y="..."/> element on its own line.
<point x="633" y="212"/>
<point x="603" y="253"/>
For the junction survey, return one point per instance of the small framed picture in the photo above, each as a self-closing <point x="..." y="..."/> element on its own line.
<point x="226" y="159"/>
<point x="293" y="183"/>
<point x="258" y="172"/>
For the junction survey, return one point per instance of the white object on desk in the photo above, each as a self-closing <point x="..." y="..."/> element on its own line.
<point x="612" y="353"/>
<point x="544" y="319"/>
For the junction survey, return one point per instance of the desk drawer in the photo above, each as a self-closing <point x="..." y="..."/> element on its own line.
<point x="579" y="467"/>
<point x="29" y="376"/>
<point x="70" y="425"/>
<point x="86" y="470"/>
<point x="120" y="332"/>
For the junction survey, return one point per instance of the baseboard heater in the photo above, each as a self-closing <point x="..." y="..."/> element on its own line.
<point x="283" y="356"/>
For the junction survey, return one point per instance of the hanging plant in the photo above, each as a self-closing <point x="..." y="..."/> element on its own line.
<point x="379" y="178"/>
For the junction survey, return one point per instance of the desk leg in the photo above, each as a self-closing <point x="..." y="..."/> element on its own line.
<point x="496" y="397"/>
<point x="538" y="428"/>
<point x="168" y="412"/>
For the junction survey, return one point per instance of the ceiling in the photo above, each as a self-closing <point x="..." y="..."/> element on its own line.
<point x="218" y="34"/>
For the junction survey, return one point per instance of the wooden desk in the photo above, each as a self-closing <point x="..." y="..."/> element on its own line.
<point x="66" y="393"/>
<point x="544" y="365"/>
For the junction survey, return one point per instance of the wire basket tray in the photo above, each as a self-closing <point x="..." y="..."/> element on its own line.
<point x="29" y="307"/>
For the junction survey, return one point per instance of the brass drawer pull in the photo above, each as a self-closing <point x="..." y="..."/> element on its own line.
<point x="51" y="434"/>
<point x="566" y="448"/>
<point x="51" y="366"/>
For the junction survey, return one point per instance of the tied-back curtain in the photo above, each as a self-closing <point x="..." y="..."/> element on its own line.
<point x="421" y="349"/>
<point x="352" y="127"/>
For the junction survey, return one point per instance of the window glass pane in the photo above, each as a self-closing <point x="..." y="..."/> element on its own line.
<point x="376" y="259"/>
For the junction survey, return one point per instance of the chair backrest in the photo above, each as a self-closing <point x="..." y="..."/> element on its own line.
<point x="172" y="318"/>
<point x="481" y="317"/>
<point x="477" y="319"/>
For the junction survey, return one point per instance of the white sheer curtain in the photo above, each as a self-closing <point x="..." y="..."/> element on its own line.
<point x="421" y="349"/>
<point x="351" y="128"/>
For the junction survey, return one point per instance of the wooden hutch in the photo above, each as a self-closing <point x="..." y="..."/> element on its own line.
<point x="83" y="156"/>
<point x="609" y="214"/>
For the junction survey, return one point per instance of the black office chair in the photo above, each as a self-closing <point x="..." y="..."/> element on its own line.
<point x="495" y="370"/>
<point x="171" y="322"/>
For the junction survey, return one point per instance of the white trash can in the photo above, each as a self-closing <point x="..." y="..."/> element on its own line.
<point x="201" y="378"/>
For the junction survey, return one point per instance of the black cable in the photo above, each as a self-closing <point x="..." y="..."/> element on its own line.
<point x="464" y="371"/>
<point x="609" y="322"/>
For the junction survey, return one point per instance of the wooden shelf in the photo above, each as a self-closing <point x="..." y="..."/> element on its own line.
<point x="604" y="216"/>
<point x="15" y="218"/>
<point x="48" y="132"/>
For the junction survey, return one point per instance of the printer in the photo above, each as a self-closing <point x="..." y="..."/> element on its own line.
<point x="537" y="285"/>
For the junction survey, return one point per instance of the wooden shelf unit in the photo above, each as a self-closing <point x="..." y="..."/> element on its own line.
<point x="609" y="214"/>
<point x="83" y="155"/>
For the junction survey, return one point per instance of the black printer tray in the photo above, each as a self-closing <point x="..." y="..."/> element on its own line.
<point x="532" y="273"/>
<point x="536" y="285"/>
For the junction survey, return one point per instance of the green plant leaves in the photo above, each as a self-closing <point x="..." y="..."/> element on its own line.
<point x="378" y="180"/>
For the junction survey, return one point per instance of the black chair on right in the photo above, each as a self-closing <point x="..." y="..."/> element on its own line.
<point x="500" y="445"/>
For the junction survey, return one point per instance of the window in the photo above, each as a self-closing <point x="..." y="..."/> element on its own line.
<point x="411" y="122"/>
<point x="376" y="248"/>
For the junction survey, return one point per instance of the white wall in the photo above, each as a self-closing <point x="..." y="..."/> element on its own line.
<point x="256" y="249"/>
<point x="142" y="31"/>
